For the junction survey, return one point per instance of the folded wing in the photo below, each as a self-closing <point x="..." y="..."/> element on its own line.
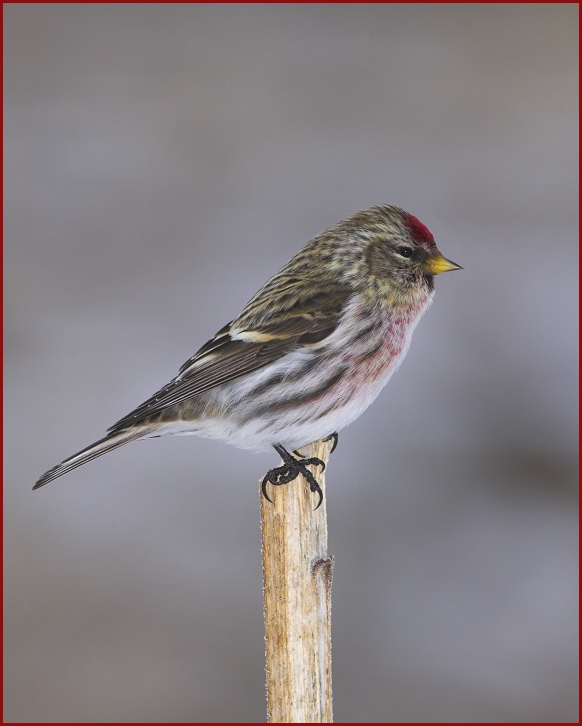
<point x="251" y="341"/>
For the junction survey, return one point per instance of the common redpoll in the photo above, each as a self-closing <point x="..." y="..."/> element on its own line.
<point x="307" y="355"/>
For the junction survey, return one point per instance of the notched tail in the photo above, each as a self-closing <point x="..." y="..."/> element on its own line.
<point x="110" y="442"/>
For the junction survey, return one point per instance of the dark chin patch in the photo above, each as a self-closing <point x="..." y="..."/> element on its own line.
<point x="418" y="231"/>
<point x="429" y="279"/>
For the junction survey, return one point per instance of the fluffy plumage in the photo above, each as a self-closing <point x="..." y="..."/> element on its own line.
<point x="309" y="352"/>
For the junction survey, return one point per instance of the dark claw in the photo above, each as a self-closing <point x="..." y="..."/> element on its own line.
<point x="318" y="490"/>
<point x="264" y="488"/>
<point x="335" y="437"/>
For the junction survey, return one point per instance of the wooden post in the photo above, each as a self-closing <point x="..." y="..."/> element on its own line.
<point x="297" y="575"/>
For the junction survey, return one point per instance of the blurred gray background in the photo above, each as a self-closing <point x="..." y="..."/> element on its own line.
<point x="161" y="162"/>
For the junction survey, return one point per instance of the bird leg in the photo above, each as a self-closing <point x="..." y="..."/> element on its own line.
<point x="290" y="470"/>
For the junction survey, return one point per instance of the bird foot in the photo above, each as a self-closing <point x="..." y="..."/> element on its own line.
<point x="290" y="470"/>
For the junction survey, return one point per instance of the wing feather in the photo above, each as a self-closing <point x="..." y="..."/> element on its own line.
<point x="243" y="346"/>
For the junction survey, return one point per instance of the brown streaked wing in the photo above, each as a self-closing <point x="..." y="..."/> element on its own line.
<point x="223" y="358"/>
<point x="227" y="360"/>
<point x="213" y="344"/>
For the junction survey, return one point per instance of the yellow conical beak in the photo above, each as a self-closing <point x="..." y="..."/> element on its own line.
<point x="436" y="263"/>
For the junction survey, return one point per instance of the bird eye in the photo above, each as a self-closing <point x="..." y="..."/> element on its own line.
<point x="404" y="251"/>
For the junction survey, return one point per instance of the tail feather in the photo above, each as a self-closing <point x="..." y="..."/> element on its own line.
<point x="110" y="442"/>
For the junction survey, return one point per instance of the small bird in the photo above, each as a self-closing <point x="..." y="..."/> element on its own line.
<point x="307" y="355"/>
